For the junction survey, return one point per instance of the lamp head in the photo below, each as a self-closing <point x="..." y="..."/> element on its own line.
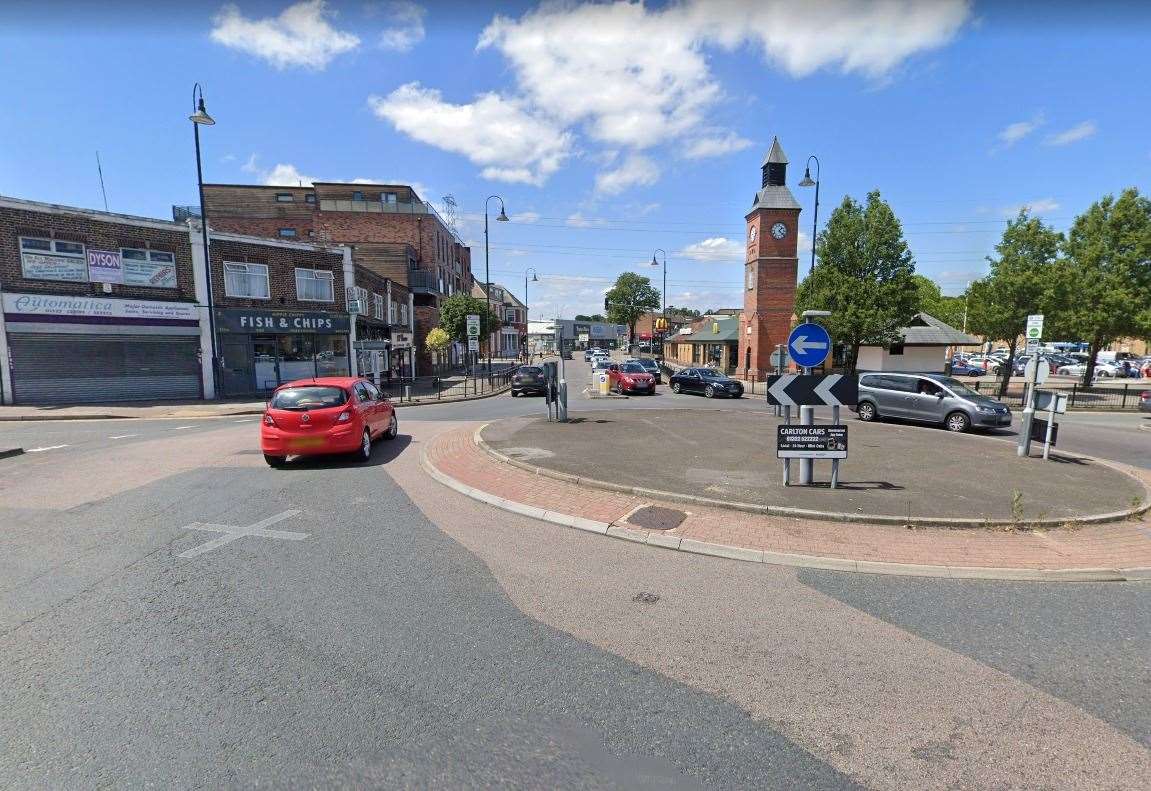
<point x="534" y="278"/>
<point x="503" y="215"/>
<point x="807" y="182"/>
<point x="201" y="116"/>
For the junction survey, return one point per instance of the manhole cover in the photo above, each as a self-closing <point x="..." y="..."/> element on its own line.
<point x="653" y="517"/>
<point x="645" y="598"/>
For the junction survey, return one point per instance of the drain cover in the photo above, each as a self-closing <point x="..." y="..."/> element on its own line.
<point x="645" y="598"/>
<point x="653" y="517"/>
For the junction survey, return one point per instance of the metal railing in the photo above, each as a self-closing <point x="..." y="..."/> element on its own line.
<point x="422" y="280"/>
<point x="1124" y="396"/>
<point x="423" y="389"/>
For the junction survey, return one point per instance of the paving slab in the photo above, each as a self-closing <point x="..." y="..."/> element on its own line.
<point x="895" y="471"/>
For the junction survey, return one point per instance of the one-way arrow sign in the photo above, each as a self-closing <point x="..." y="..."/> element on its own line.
<point x="812" y="390"/>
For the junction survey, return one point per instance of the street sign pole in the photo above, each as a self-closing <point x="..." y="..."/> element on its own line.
<point x="806" y="418"/>
<point x="787" y="462"/>
<point x="835" y="462"/>
<point x="1050" y="426"/>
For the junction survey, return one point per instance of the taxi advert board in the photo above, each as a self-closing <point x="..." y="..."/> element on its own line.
<point x="811" y="442"/>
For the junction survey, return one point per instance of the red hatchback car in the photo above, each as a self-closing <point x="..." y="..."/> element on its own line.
<point x="630" y="378"/>
<point x="313" y="417"/>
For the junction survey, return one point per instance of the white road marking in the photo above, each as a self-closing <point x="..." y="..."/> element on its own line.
<point x="245" y="420"/>
<point x="49" y="447"/>
<point x="181" y="428"/>
<point x="122" y="436"/>
<point x="235" y="532"/>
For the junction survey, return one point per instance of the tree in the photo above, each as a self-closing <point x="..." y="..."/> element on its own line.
<point x="687" y="313"/>
<point x="1107" y="274"/>
<point x="454" y="316"/>
<point x="1020" y="283"/>
<point x="632" y="296"/>
<point x="932" y="301"/>
<point x="865" y="276"/>
<point x="593" y="317"/>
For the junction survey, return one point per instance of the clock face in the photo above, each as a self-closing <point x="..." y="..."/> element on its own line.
<point x="751" y="234"/>
<point x="779" y="230"/>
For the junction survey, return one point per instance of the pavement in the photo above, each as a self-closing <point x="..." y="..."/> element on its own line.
<point x="417" y="638"/>
<point x="894" y="471"/>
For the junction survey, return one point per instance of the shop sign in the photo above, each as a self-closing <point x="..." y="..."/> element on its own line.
<point x="599" y="330"/>
<point x="44" y="266"/>
<point x="582" y="329"/>
<point x="104" y="266"/>
<point x="401" y="340"/>
<point x="149" y="273"/>
<point x="92" y="307"/>
<point x="281" y="322"/>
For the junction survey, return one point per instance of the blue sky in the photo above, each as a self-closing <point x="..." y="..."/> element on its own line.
<point x="609" y="130"/>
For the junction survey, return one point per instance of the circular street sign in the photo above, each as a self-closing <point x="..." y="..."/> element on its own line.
<point x="809" y="344"/>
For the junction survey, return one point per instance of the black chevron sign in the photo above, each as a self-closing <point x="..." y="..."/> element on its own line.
<point x="812" y="390"/>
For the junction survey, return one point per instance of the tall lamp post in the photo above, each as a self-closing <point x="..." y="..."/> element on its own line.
<point x="200" y="117"/>
<point x="487" y="265"/>
<point x="535" y="279"/>
<point x="807" y="182"/>
<point x="662" y="294"/>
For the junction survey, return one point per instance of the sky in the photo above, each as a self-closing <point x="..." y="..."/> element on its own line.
<point x="610" y="130"/>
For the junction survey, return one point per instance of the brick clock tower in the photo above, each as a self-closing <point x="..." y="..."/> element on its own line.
<point x="771" y="267"/>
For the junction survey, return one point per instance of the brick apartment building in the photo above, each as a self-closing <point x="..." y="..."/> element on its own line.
<point x="510" y="339"/>
<point x="391" y="230"/>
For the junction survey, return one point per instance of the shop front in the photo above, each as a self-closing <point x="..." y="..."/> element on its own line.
<point x="66" y="349"/>
<point x="262" y="349"/>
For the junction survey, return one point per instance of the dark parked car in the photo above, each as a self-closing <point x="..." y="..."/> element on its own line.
<point x="708" y="381"/>
<point x="649" y="365"/>
<point x="928" y="398"/>
<point x="529" y="379"/>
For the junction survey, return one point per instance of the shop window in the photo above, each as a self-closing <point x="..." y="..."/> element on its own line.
<point x="246" y="280"/>
<point x="285" y="197"/>
<point x="53" y="259"/>
<point x="331" y="355"/>
<point x="297" y="357"/>
<point x="288" y="233"/>
<point x="314" y="285"/>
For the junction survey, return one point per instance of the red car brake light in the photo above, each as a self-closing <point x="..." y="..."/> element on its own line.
<point x="268" y="420"/>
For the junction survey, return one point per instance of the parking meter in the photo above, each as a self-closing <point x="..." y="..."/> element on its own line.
<point x="551" y="376"/>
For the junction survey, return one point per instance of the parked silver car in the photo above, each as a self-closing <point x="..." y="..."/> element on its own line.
<point x="928" y="398"/>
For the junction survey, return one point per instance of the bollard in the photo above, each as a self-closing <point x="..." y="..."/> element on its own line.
<point x="408" y="392"/>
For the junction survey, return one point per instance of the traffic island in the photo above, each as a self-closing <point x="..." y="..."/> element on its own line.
<point x="514" y="480"/>
<point x="894" y="474"/>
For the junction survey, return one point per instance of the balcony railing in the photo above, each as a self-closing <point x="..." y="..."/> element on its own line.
<point x="422" y="282"/>
<point x="379" y="207"/>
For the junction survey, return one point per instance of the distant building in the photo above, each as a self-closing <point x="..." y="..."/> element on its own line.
<point x="922" y="347"/>
<point x="509" y="338"/>
<point x="709" y="340"/>
<point x="600" y="334"/>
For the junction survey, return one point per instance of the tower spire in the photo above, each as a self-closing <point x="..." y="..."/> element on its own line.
<point x="775" y="166"/>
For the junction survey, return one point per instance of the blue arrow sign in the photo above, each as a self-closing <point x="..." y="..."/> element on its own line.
<point x="809" y="345"/>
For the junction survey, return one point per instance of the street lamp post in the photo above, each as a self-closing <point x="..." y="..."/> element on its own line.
<point x="662" y="294"/>
<point x="807" y="182"/>
<point x="535" y="279"/>
<point x="487" y="266"/>
<point x="200" y="117"/>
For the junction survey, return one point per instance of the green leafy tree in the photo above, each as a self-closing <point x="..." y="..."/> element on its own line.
<point x="687" y="313"/>
<point x="632" y="296"/>
<point x="1106" y="292"/>
<point x="454" y="316"/>
<point x="1021" y="281"/>
<point x="593" y="317"/>
<point x="933" y="301"/>
<point x="865" y="276"/>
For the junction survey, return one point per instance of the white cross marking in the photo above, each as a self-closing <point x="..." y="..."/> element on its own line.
<point x="235" y="532"/>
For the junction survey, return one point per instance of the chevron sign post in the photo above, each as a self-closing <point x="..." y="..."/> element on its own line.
<point x="812" y="390"/>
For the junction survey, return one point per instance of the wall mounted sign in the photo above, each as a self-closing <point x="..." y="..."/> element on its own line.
<point x="97" y="307"/>
<point x="281" y="322"/>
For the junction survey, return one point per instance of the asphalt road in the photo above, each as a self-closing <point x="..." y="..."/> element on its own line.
<point x="414" y="638"/>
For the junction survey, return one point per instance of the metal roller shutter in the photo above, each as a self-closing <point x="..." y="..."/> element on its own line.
<point x="74" y="369"/>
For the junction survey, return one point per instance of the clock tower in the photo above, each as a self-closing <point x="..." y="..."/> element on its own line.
<point x="770" y="268"/>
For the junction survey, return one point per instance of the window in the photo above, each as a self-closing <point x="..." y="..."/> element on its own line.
<point x="288" y="233"/>
<point x="310" y="197"/>
<point x="413" y="264"/>
<point x="314" y="285"/>
<point x="246" y="280"/>
<point x="510" y="315"/>
<point x="357" y="195"/>
<point x="53" y="259"/>
<point x="896" y="349"/>
<point x="387" y="197"/>
<point x="285" y="197"/>
<point x="309" y="397"/>
<point x="154" y="268"/>
<point x="927" y="387"/>
<point x="403" y="313"/>
<point x="378" y="306"/>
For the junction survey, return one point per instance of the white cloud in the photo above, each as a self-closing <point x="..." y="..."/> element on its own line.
<point x="716" y="146"/>
<point x="408" y="29"/>
<point x="500" y="135"/>
<point x="636" y="171"/>
<point x="1035" y="207"/>
<point x="717" y="248"/>
<point x="1013" y="133"/>
<point x="300" y="36"/>
<point x="525" y="217"/>
<point x="285" y="174"/>
<point x="577" y="220"/>
<point x="1080" y="131"/>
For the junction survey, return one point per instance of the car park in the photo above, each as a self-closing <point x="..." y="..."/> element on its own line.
<point x="966" y="369"/>
<point x="528" y="380"/>
<point x="589" y="354"/>
<point x="649" y="365"/>
<point x="1145" y="401"/>
<point x="1102" y="370"/>
<point x="706" y="381"/>
<point x="928" y="398"/>
<point x="323" y="416"/>
<point x="630" y="377"/>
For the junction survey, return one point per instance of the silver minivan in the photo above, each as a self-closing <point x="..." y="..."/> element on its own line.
<point x="928" y="398"/>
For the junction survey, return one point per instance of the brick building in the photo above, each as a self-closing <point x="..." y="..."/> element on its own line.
<point x="97" y="307"/>
<point x="510" y="339"/>
<point x="391" y="230"/>
<point x="771" y="268"/>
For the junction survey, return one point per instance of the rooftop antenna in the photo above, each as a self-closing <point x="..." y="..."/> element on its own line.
<point x="450" y="212"/>
<point x="100" y="171"/>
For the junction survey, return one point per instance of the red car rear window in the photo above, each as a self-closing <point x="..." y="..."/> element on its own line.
<point x="314" y="397"/>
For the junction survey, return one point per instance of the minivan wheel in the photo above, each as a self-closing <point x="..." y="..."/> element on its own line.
<point x="957" y="421"/>
<point x="365" y="451"/>
<point x="867" y="411"/>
